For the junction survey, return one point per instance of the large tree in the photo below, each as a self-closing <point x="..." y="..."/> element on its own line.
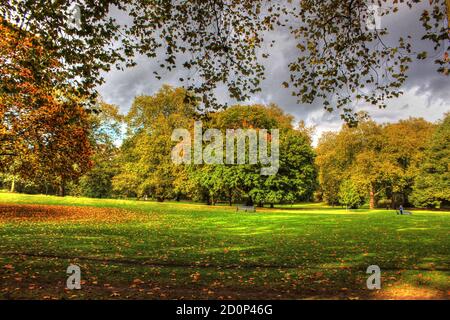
<point x="404" y="150"/>
<point x="351" y="154"/>
<point x="295" y="178"/>
<point x="432" y="185"/>
<point x="382" y="161"/>
<point x="41" y="127"/>
<point x="146" y="167"/>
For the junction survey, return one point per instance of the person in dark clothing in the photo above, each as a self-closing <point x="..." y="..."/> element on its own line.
<point x="400" y="209"/>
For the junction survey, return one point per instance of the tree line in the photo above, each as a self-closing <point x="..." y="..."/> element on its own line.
<point x="142" y="166"/>
<point x="384" y="165"/>
<point x="145" y="168"/>
<point x="56" y="137"/>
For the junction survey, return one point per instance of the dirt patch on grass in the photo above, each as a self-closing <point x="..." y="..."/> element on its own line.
<point x="46" y="213"/>
<point x="410" y="292"/>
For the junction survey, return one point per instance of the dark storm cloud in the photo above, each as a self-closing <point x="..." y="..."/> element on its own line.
<point x="426" y="92"/>
<point x="423" y="75"/>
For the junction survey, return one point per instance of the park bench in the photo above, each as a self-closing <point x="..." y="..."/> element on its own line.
<point x="246" y="208"/>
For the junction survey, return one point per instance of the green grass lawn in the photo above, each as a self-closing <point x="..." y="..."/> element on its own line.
<point x="134" y="249"/>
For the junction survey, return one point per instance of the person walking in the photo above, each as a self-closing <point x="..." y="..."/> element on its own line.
<point x="400" y="209"/>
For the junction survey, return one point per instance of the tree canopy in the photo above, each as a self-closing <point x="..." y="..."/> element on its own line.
<point x="147" y="169"/>
<point x="41" y="127"/>
<point x="382" y="161"/>
<point x="342" y="58"/>
<point x="432" y="186"/>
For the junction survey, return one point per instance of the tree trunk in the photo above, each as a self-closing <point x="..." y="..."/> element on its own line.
<point x="271" y="205"/>
<point x="62" y="190"/>
<point x="372" y="197"/>
<point x="13" y="184"/>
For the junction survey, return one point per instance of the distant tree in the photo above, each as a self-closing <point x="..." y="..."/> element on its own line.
<point x="368" y="167"/>
<point x="349" y="195"/>
<point x="331" y="165"/>
<point x="295" y="179"/>
<point x="432" y="184"/>
<point x="106" y="132"/>
<point x="404" y="151"/>
<point x="382" y="160"/>
<point x="146" y="167"/>
<point x="350" y="154"/>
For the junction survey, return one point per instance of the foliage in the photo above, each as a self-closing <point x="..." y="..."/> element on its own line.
<point x="341" y="59"/>
<point x="146" y="167"/>
<point x="349" y="195"/>
<point x="296" y="176"/>
<point x="40" y="127"/>
<point x="432" y="184"/>
<point x="219" y="39"/>
<point x="381" y="160"/>
<point x="106" y="132"/>
<point x="405" y="146"/>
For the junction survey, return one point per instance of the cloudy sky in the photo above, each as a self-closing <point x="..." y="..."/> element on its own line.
<point x="427" y="93"/>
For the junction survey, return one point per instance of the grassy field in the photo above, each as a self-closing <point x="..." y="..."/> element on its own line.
<point x="134" y="249"/>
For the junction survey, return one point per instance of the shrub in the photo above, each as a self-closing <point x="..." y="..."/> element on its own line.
<point x="349" y="195"/>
